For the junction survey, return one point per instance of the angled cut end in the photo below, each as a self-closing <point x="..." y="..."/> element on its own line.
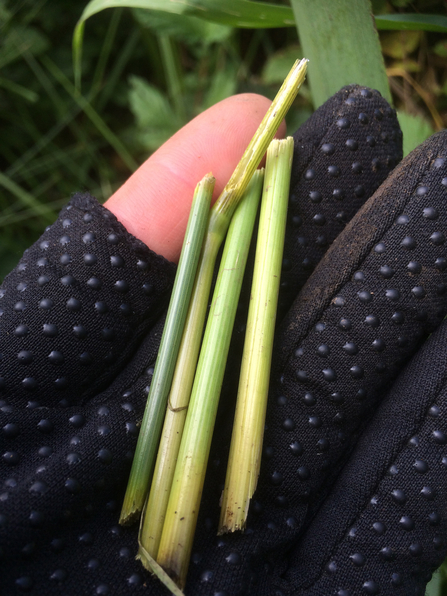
<point x="127" y="518"/>
<point x="151" y="565"/>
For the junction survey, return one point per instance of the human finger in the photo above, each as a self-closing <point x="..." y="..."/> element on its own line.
<point x="155" y="201"/>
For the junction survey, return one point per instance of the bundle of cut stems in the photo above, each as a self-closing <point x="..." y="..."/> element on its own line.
<point x="189" y="471"/>
<point x="219" y="220"/>
<point x="248" y="429"/>
<point x="167" y="355"/>
<point x="184" y="500"/>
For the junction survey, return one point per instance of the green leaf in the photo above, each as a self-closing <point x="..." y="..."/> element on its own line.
<point x="415" y="130"/>
<point x="20" y="40"/>
<point x="441" y="48"/>
<point x="223" y="84"/>
<point x="238" y="13"/>
<point x="422" y="22"/>
<point x="234" y="13"/>
<point x="191" y="30"/>
<point x="438" y="584"/>
<point x="26" y="198"/>
<point x="154" y="115"/>
<point x="400" y="43"/>
<point x="342" y="46"/>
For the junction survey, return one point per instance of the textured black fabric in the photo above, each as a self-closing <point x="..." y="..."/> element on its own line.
<point x="81" y="318"/>
<point x="342" y="154"/>
<point x="370" y="303"/>
<point x="352" y="494"/>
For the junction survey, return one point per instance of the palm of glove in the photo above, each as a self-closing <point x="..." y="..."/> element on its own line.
<point x="351" y="498"/>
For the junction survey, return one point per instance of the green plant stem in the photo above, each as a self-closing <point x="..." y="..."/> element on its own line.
<point x="20" y="90"/>
<point x="91" y="113"/>
<point x="149" y="436"/>
<point x="152" y="566"/>
<point x="184" y="500"/>
<point x="248" y="429"/>
<point x="105" y="52"/>
<point x="261" y="140"/>
<point x="44" y="210"/>
<point x="220" y="217"/>
<point x="174" y="78"/>
<point x="223" y="311"/>
<point x="342" y="44"/>
<point x="114" y="76"/>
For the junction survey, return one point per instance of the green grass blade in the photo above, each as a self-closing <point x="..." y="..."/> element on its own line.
<point x="20" y="90"/>
<point x="91" y="113"/>
<point x="115" y="74"/>
<point x="20" y="164"/>
<point x="173" y="76"/>
<point x="105" y="52"/>
<point x="236" y="13"/>
<point x="26" y="214"/>
<point x="438" y="584"/>
<point x="60" y="102"/>
<point x="248" y="430"/>
<point x="151" y="565"/>
<point x="78" y="36"/>
<point x="47" y="83"/>
<point x="151" y="425"/>
<point x="27" y="199"/>
<point x="184" y="501"/>
<point x="342" y="46"/>
<point x="419" y="22"/>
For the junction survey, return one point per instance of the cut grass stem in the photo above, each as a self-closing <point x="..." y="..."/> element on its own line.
<point x="151" y="425"/>
<point x="211" y="364"/>
<point x="220" y="217"/>
<point x="184" y="500"/>
<point x="248" y="429"/>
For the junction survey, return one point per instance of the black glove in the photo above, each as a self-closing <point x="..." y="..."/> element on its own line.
<point x="352" y="493"/>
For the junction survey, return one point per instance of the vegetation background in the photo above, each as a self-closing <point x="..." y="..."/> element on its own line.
<point x="145" y="73"/>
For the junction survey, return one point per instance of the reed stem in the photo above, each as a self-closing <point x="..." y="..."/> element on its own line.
<point x="248" y="429"/>
<point x="220" y="217"/>
<point x="184" y="500"/>
<point x="155" y="509"/>
<point x="151" y="425"/>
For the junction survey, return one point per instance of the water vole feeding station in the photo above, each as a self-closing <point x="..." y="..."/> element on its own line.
<point x="168" y="471"/>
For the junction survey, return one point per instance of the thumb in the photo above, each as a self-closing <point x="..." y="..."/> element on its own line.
<point x="155" y="201"/>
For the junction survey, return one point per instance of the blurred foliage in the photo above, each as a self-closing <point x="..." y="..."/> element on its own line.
<point x="144" y="74"/>
<point x="438" y="585"/>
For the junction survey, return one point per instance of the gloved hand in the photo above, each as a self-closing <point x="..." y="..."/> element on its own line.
<point x="353" y="488"/>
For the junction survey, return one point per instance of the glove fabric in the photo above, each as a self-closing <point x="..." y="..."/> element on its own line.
<point x="352" y="494"/>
